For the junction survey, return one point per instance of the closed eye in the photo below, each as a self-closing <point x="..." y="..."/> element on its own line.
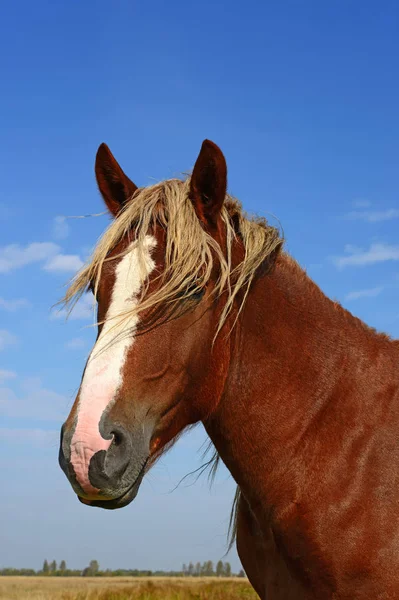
<point x="192" y="294"/>
<point x="198" y="295"/>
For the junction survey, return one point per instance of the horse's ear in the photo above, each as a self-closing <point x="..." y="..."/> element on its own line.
<point x="115" y="187"/>
<point x="209" y="183"/>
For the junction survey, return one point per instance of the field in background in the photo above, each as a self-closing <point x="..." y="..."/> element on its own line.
<point x="124" y="588"/>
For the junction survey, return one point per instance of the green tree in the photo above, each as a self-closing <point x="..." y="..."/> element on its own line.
<point x="94" y="567"/>
<point x="91" y="570"/>
<point x="46" y="568"/>
<point x="184" y="569"/>
<point x="62" y="566"/>
<point x="219" y="569"/>
<point x="190" y="570"/>
<point x="53" y="567"/>
<point x="241" y="573"/>
<point x="208" y="568"/>
<point x="227" y="569"/>
<point x="198" y="569"/>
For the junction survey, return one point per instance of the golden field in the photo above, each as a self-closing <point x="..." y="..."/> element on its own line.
<point x="124" y="588"/>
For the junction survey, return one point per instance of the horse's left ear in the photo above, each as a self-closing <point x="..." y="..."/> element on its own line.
<point x="208" y="184"/>
<point x="116" y="188"/>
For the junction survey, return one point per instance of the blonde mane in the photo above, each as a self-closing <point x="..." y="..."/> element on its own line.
<point x="190" y="253"/>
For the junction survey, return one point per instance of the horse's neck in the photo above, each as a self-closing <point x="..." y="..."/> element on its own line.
<point x="296" y="358"/>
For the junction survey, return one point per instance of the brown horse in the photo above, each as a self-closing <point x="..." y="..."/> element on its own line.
<point x="203" y="317"/>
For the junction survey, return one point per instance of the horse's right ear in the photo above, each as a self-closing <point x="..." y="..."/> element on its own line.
<point x="208" y="183"/>
<point x="116" y="188"/>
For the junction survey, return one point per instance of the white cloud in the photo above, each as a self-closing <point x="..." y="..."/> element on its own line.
<point x="75" y="344"/>
<point x="361" y="203"/>
<point x="85" y="310"/>
<point x="60" y="228"/>
<point x="5" y="374"/>
<point x="13" y="305"/>
<point x="357" y="257"/>
<point x="34" y="402"/>
<point x="374" y="216"/>
<point x="368" y="293"/>
<point x="6" y="339"/>
<point x="15" y="256"/>
<point x="41" y="438"/>
<point x="63" y="263"/>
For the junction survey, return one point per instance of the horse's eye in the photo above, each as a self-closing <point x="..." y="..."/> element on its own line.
<point x="194" y="296"/>
<point x="198" y="295"/>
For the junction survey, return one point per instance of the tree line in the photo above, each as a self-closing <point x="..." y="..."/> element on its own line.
<point x="206" y="569"/>
<point x="52" y="569"/>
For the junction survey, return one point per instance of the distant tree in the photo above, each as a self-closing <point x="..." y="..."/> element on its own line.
<point x="197" y="570"/>
<point x="241" y="573"/>
<point x="15" y="572"/>
<point x="209" y="568"/>
<point x="227" y="569"/>
<point x="91" y="570"/>
<point x="94" y="567"/>
<point x="219" y="569"/>
<point x="62" y="566"/>
<point x="184" y="569"/>
<point x="53" y="567"/>
<point x="46" y="568"/>
<point x="190" y="570"/>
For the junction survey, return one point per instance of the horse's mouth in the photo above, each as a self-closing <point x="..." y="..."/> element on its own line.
<point x="123" y="500"/>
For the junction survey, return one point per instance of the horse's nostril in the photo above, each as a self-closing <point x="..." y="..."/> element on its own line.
<point x="117" y="438"/>
<point x="107" y="467"/>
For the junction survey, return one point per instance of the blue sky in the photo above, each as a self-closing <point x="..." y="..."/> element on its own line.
<point x="301" y="96"/>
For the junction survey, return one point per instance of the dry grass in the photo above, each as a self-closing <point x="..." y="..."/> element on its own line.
<point x="124" y="588"/>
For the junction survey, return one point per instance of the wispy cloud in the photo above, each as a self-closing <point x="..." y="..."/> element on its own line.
<point x="361" y="203"/>
<point x="83" y="310"/>
<point x="6" y="339"/>
<point x="60" y="228"/>
<point x="374" y="216"/>
<point x="64" y="263"/>
<point x="5" y="374"/>
<point x="15" y="256"/>
<point x="356" y="257"/>
<point x="34" y="402"/>
<point x="75" y="344"/>
<point x="41" y="438"/>
<point x="368" y="293"/>
<point x="13" y="305"/>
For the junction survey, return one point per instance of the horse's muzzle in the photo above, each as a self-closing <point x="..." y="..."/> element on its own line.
<point x="108" y="478"/>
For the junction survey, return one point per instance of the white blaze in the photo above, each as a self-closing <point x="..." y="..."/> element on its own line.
<point x="103" y="375"/>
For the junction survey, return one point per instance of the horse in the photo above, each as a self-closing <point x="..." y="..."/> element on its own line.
<point x="204" y="317"/>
